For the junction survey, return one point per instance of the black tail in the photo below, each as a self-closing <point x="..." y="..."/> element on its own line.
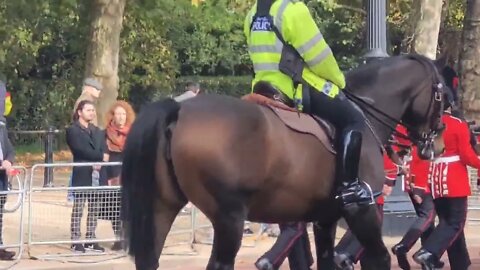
<point x="139" y="186"/>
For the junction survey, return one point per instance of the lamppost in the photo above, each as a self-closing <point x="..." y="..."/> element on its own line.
<point x="376" y="30"/>
<point x="377" y="49"/>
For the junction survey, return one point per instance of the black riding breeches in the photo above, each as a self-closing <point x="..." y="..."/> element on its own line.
<point x="339" y="111"/>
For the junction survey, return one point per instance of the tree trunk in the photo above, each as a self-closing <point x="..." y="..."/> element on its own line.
<point x="469" y="61"/>
<point x="427" y="16"/>
<point x="103" y="51"/>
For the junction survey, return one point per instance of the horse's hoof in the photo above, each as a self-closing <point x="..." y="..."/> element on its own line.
<point x="400" y="252"/>
<point x="343" y="262"/>
<point x="264" y="264"/>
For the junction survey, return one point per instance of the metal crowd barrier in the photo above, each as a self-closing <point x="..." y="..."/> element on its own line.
<point x="48" y="209"/>
<point x="13" y="214"/>
<point x="50" y="215"/>
<point x="53" y="219"/>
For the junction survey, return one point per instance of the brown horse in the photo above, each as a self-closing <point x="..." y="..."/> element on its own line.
<point x="237" y="161"/>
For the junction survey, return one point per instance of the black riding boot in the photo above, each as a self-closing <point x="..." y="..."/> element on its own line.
<point x="352" y="190"/>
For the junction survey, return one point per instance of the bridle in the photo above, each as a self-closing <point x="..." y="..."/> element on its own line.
<point x="414" y="135"/>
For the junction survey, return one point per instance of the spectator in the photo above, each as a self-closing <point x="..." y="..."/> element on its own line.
<point x="8" y="104"/>
<point x="7" y="156"/>
<point x="5" y="102"/>
<point x="90" y="91"/>
<point x="191" y="90"/>
<point x="119" y="118"/>
<point x="87" y="144"/>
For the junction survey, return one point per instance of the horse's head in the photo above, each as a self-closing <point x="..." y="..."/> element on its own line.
<point x="423" y="117"/>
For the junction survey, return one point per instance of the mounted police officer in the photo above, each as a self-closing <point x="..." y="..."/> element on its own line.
<point x="291" y="55"/>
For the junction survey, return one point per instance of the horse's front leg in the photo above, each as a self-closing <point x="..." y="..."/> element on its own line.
<point x="324" y="243"/>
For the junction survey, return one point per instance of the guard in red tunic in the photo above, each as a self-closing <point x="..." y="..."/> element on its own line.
<point x="450" y="189"/>
<point x="416" y="185"/>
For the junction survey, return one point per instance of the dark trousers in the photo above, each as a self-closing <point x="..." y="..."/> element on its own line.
<point x="350" y="245"/>
<point x="3" y="200"/>
<point x="292" y="242"/>
<point x="448" y="235"/>
<point x="339" y="111"/>
<point x="80" y="197"/>
<point x="423" y="225"/>
<point x="342" y="114"/>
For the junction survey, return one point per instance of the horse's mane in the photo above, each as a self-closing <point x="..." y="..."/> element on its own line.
<point x="368" y="74"/>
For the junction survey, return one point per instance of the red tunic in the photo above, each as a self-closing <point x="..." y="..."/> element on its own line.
<point x="449" y="173"/>
<point x="418" y="177"/>
<point x="478" y="171"/>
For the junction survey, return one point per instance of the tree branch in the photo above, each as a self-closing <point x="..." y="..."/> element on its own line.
<point x="358" y="10"/>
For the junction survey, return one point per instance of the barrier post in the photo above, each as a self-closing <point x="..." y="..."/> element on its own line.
<point x="48" y="171"/>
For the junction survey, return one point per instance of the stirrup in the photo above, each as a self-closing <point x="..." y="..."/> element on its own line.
<point x="357" y="192"/>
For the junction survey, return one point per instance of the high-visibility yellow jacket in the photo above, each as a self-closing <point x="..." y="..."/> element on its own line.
<point x="8" y="104"/>
<point x="297" y="27"/>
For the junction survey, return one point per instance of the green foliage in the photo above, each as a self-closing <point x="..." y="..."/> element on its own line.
<point x="147" y="62"/>
<point x="43" y="46"/>
<point x="41" y="53"/>
<point x="207" y="39"/>
<point x="343" y="29"/>
<point x="455" y="15"/>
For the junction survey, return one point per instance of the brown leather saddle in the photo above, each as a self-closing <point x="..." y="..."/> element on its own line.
<point x="266" y="95"/>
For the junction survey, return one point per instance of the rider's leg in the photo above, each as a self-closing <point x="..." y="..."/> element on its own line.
<point x="349" y="124"/>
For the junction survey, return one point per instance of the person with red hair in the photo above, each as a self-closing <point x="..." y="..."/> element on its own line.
<point x="119" y="120"/>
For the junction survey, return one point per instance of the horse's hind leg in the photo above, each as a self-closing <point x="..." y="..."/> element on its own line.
<point x="228" y="227"/>
<point x="324" y="244"/>
<point x="367" y="227"/>
<point x="164" y="217"/>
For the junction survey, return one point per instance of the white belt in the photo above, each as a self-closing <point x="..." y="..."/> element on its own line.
<point x="447" y="159"/>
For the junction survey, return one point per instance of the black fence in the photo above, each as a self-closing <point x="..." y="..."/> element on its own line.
<point x="44" y="142"/>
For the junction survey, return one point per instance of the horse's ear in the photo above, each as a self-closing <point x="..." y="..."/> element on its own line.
<point x="441" y="62"/>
